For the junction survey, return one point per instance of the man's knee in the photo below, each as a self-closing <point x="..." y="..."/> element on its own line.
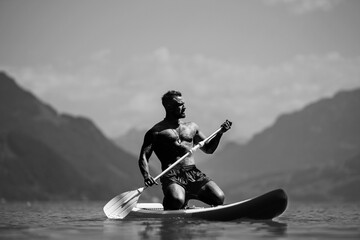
<point x="174" y="197"/>
<point x="212" y="194"/>
<point x="173" y="202"/>
<point x="220" y="198"/>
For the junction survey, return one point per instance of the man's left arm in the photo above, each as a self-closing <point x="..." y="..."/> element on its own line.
<point x="212" y="145"/>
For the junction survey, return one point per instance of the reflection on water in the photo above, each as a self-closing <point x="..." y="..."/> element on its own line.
<point x="86" y="220"/>
<point x="175" y="229"/>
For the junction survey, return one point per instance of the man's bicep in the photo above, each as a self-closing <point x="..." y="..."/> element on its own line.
<point x="146" y="152"/>
<point x="199" y="136"/>
<point x="146" y="149"/>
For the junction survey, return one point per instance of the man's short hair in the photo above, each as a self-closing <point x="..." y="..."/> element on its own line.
<point x="168" y="97"/>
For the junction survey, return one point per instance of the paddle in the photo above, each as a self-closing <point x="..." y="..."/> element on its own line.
<point x="121" y="205"/>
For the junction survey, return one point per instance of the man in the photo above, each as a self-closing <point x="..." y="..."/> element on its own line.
<point x="170" y="139"/>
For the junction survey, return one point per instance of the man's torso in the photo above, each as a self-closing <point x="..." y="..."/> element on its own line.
<point x="170" y="142"/>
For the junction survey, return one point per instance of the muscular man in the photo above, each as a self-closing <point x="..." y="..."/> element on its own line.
<point x="170" y="139"/>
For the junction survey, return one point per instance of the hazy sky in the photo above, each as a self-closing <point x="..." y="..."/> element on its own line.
<point x="246" y="60"/>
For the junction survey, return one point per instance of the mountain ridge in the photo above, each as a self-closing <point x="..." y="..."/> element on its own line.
<point x="104" y="167"/>
<point x="322" y="134"/>
<point x="312" y="153"/>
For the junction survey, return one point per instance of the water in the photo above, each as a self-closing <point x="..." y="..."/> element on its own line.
<point x="85" y="220"/>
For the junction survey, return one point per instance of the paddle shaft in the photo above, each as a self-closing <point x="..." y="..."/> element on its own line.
<point x="191" y="151"/>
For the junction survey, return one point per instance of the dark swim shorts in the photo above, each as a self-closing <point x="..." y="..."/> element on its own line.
<point x="189" y="177"/>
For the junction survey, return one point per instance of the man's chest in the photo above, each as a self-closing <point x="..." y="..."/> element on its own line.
<point x="179" y="134"/>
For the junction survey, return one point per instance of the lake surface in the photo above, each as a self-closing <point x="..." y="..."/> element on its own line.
<point x="85" y="220"/>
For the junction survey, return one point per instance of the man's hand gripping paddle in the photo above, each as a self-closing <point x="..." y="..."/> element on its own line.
<point x="121" y="205"/>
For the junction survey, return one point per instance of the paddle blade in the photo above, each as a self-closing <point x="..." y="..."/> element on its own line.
<point x="121" y="205"/>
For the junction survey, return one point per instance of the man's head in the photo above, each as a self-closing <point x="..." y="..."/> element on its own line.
<point x="174" y="104"/>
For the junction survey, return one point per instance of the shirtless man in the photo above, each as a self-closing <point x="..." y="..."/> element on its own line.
<point x="170" y="139"/>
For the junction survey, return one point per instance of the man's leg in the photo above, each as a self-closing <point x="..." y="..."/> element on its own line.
<point x="211" y="194"/>
<point x="174" y="197"/>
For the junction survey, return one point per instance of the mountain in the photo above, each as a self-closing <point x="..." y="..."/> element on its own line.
<point x="47" y="155"/>
<point x="335" y="181"/>
<point x="131" y="141"/>
<point x="313" y="153"/>
<point x="300" y="145"/>
<point x="31" y="170"/>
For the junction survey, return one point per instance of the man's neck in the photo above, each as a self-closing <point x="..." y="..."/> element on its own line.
<point x="173" y="120"/>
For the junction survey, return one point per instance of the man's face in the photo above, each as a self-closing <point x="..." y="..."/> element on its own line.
<point x="177" y="107"/>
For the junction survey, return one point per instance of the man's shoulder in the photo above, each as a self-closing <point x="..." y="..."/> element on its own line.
<point x="156" y="128"/>
<point x="160" y="126"/>
<point x="192" y="125"/>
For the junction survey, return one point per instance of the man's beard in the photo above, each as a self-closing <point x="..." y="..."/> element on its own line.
<point x="182" y="114"/>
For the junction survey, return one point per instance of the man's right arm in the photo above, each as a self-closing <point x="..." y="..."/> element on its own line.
<point x="145" y="153"/>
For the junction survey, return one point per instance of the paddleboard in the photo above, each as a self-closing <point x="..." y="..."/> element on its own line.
<point x="264" y="207"/>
